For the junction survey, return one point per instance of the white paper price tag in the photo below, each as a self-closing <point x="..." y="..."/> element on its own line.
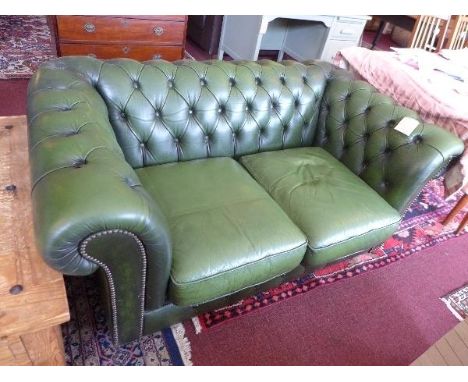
<point x="407" y="125"/>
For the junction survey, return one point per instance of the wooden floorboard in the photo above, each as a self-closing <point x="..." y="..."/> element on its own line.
<point x="450" y="350"/>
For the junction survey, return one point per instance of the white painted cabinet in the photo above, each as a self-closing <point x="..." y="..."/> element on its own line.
<point x="301" y="37"/>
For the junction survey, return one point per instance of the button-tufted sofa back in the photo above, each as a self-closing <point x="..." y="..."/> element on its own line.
<point x="164" y="112"/>
<point x="356" y="125"/>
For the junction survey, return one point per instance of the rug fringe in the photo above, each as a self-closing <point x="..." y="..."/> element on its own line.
<point x="450" y="307"/>
<point x="197" y="325"/>
<point x="183" y="343"/>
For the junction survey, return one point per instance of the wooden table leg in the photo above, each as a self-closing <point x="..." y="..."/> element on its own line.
<point x="44" y="347"/>
<point x="462" y="203"/>
<point x="462" y="224"/>
<point x="378" y="34"/>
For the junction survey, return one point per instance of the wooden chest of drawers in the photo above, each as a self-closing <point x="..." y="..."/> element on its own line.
<point x="138" y="37"/>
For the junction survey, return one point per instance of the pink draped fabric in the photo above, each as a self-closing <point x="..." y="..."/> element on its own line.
<point x="410" y="79"/>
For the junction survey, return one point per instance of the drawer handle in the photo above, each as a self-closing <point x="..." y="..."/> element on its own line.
<point x="158" y="31"/>
<point x="90" y="28"/>
<point x="346" y="32"/>
<point x="157" y="57"/>
<point x="126" y="49"/>
<point x="92" y="55"/>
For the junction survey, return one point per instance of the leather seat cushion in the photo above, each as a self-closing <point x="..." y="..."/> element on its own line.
<point x="227" y="232"/>
<point x="338" y="212"/>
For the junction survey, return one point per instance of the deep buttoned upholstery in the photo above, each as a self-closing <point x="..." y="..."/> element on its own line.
<point x="101" y="133"/>
<point x="161" y="112"/>
<point x="356" y="125"/>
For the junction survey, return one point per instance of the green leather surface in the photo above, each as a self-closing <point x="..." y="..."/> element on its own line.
<point x="356" y="125"/>
<point x="165" y="112"/>
<point x="338" y="212"/>
<point x="82" y="183"/>
<point x="92" y="123"/>
<point x="228" y="234"/>
<point x="128" y="282"/>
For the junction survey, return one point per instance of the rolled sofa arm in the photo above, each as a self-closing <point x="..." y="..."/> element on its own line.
<point x="357" y="126"/>
<point x="90" y="210"/>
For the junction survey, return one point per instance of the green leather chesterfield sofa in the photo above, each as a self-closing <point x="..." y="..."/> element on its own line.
<point x="188" y="185"/>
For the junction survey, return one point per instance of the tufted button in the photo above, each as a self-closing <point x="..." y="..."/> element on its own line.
<point x="387" y="150"/>
<point x="70" y="133"/>
<point x="313" y="181"/>
<point x="176" y="141"/>
<point x="232" y="81"/>
<point x="202" y="82"/>
<point x="366" y="135"/>
<point x="274" y="104"/>
<point x="235" y="134"/>
<point x="191" y="111"/>
<point x="79" y="163"/>
<point x="123" y="115"/>
<point x="221" y="109"/>
<point x="304" y="79"/>
<point x="282" y="80"/>
<point x="66" y="108"/>
<point x="261" y="130"/>
<point x="365" y="163"/>
<point x="296" y="103"/>
<point x="170" y="83"/>
<point x="207" y="138"/>
<point x="391" y="123"/>
<point x="129" y="182"/>
<point x="157" y="113"/>
<point x="348" y="96"/>
<point x="258" y="81"/>
<point x="136" y="84"/>
<point x="385" y="183"/>
<point x="417" y="139"/>
<point x="142" y="145"/>
<point x="285" y="128"/>
<point x="368" y="109"/>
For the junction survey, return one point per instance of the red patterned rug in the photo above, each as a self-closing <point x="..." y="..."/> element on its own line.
<point x="25" y="43"/>
<point x="421" y="228"/>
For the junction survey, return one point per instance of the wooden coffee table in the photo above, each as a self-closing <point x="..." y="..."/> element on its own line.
<point x="33" y="302"/>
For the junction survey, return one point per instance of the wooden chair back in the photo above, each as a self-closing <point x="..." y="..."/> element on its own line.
<point x="429" y="32"/>
<point x="458" y="38"/>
